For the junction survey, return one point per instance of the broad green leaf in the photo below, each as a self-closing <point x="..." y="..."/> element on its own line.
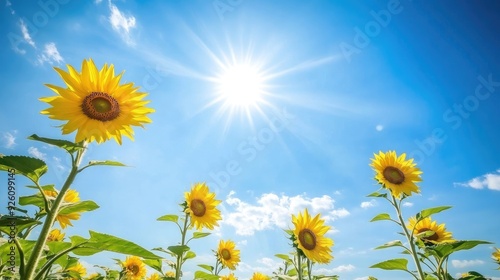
<point x="179" y="249"/>
<point x="64" y="144"/>
<point x="380" y="217"/>
<point x="83" y="250"/>
<point x="190" y="255"/>
<point x="105" y="162"/>
<point x="430" y="211"/>
<point x="443" y="250"/>
<point x="203" y="275"/>
<point x="118" y="245"/>
<point x="154" y="263"/>
<point x="81" y="206"/>
<point x="390" y="244"/>
<point x="56" y="247"/>
<point x="283" y="257"/>
<point x="377" y="194"/>
<point x="200" y="234"/>
<point x="32" y="168"/>
<point x="207" y="267"/>
<point x="35" y="199"/>
<point x="20" y="222"/>
<point x="169" y="218"/>
<point x="394" y="264"/>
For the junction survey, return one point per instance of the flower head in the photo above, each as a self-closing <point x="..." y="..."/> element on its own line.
<point x="79" y="269"/>
<point x="201" y="206"/>
<point x="429" y="231"/>
<point x="309" y="237"/>
<point x="135" y="269"/>
<point x="170" y="274"/>
<point x="70" y="197"/>
<point x="259" y="276"/>
<point x="154" y="276"/>
<point x="228" y="277"/>
<point x="96" y="105"/>
<point x="396" y="173"/>
<point x="228" y="255"/>
<point x="496" y="255"/>
<point x="55" y="235"/>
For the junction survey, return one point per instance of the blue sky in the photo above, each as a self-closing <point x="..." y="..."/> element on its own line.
<point x="341" y="81"/>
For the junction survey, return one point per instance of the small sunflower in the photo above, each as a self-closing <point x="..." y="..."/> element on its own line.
<point x="309" y="237"/>
<point x="259" y="276"/>
<point x="228" y="255"/>
<point x="135" y="269"/>
<point x="431" y="231"/>
<point x="154" y="276"/>
<point x="201" y="205"/>
<point x="496" y="255"/>
<point x="96" y="105"/>
<point x="396" y="173"/>
<point x="78" y="268"/>
<point x="70" y="197"/>
<point x="170" y="274"/>
<point x="228" y="277"/>
<point x="93" y="276"/>
<point x="55" y="235"/>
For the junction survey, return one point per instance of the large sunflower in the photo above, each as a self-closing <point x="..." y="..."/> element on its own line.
<point x="70" y="197"/>
<point x="201" y="205"/>
<point x="259" y="276"/>
<point x="309" y="237"/>
<point x="228" y="255"/>
<point x="496" y="255"/>
<point x="135" y="269"/>
<point x="96" y="105"/>
<point x="228" y="277"/>
<point x="429" y="231"/>
<point x="396" y="173"/>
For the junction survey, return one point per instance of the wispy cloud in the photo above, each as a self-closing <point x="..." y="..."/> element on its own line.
<point x="368" y="204"/>
<point x="26" y="34"/>
<point x="9" y="140"/>
<point x="8" y="4"/>
<point x="271" y="210"/>
<point x="379" y="127"/>
<point x="407" y="204"/>
<point x="466" y="263"/>
<point x="335" y="270"/>
<point x="121" y="23"/>
<point x="36" y="153"/>
<point x="490" y="181"/>
<point x="50" y="54"/>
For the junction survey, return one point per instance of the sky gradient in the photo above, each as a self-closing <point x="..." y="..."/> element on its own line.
<point x="341" y="80"/>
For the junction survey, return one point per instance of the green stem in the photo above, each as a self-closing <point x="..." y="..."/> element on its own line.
<point x="299" y="264"/>
<point x="309" y="268"/>
<point x="180" y="257"/>
<point x="50" y="219"/>
<point x="409" y="238"/>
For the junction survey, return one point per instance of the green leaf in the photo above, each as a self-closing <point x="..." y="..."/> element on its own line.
<point x="21" y="222"/>
<point x="154" y="263"/>
<point x="81" y="206"/>
<point x="203" y="275"/>
<point x="207" y="267"/>
<point x="377" y="194"/>
<point x="443" y="250"/>
<point x="118" y="245"/>
<point x="391" y="244"/>
<point x="105" y="162"/>
<point x="169" y="218"/>
<point x="200" y="234"/>
<point x="64" y="144"/>
<point x="190" y="255"/>
<point x="32" y="168"/>
<point x="283" y="257"/>
<point x="430" y="211"/>
<point x="83" y="250"/>
<point x="380" y="217"/>
<point x="394" y="264"/>
<point x="179" y="249"/>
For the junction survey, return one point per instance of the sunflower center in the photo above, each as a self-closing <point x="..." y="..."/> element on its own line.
<point x="198" y="207"/>
<point x="433" y="237"/>
<point x="394" y="175"/>
<point x="100" y="106"/>
<point x="133" y="268"/>
<point x="225" y="254"/>
<point x="307" y="238"/>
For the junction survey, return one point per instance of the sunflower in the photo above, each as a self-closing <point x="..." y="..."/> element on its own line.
<point x="228" y="255"/>
<point x="55" y="235"/>
<point x="93" y="276"/>
<point x="154" y="276"/>
<point x="70" y="197"/>
<point x="228" y="277"/>
<point x="135" y="269"/>
<point x="396" y="174"/>
<point x="201" y="205"/>
<point x="96" y="105"/>
<point x="496" y="255"/>
<point x="78" y="268"/>
<point x="429" y="231"/>
<point x="170" y="274"/>
<point x="259" y="276"/>
<point x="309" y="237"/>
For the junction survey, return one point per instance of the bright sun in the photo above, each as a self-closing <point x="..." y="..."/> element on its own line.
<point x="241" y="85"/>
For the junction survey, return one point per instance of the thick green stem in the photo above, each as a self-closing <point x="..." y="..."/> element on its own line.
<point x="409" y="238"/>
<point x="180" y="257"/>
<point x="299" y="264"/>
<point x="36" y="254"/>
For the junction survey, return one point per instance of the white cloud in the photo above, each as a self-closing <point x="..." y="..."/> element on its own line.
<point x="271" y="210"/>
<point x="8" y="4"/>
<point x="264" y="265"/>
<point x="9" y="140"/>
<point x="36" y="153"/>
<point x="379" y="127"/>
<point x="466" y="263"/>
<point x="368" y="204"/>
<point x="362" y="278"/>
<point x="121" y="23"/>
<point x="490" y="181"/>
<point x="339" y="213"/>
<point x="407" y="204"/>
<point x="50" y="54"/>
<point x="335" y="270"/>
<point x="98" y="1"/>
<point x="26" y="34"/>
